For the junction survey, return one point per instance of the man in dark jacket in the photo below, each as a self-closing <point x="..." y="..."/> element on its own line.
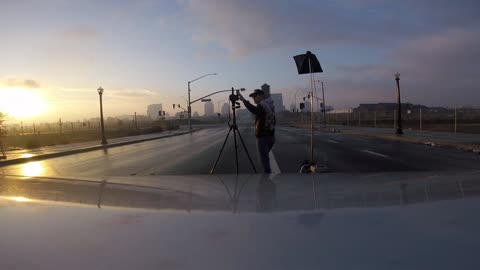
<point x="264" y="125"/>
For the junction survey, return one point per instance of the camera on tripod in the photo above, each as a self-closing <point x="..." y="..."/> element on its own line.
<point x="234" y="98"/>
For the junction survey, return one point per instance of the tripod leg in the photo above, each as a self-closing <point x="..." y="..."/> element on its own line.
<point x="212" y="171"/>
<point x="236" y="147"/>
<point x="246" y="151"/>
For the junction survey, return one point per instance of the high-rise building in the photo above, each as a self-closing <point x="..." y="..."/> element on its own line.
<point x="225" y="109"/>
<point x="152" y="111"/>
<point x="266" y="88"/>
<point x="278" y="102"/>
<point x="209" y="109"/>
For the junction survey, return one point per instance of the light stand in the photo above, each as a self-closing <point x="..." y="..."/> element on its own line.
<point x="309" y="64"/>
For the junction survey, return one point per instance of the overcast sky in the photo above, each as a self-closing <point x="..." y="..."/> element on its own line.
<point x="144" y="52"/>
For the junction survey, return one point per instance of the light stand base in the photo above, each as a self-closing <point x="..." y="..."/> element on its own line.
<point x="310" y="166"/>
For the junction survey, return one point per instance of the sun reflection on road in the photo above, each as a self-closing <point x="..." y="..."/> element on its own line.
<point x="32" y="169"/>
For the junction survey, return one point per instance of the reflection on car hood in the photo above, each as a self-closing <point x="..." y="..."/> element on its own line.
<point x="248" y="193"/>
<point x="334" y="221"/>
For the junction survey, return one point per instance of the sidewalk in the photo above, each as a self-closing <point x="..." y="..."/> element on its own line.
<point x="461" y="141"/>
<point x="25" y="155"/>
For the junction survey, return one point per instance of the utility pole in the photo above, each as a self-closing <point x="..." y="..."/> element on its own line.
<point x="399" y="121"/>
<point x="324" y="107"/>
<point x="135" y="118"/>
<point x="420" y="119"/>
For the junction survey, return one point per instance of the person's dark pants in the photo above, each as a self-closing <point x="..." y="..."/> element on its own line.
<point x="264" y="145"/>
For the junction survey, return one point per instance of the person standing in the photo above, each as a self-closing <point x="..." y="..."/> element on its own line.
<point x="264" y="112"/>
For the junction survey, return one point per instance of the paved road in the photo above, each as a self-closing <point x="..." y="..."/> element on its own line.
<point x="195" y="154"/>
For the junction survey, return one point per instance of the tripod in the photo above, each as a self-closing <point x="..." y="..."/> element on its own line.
<point x="235" y="105"/>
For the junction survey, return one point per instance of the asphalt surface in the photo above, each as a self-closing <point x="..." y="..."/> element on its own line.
<point x="196" y="153"/>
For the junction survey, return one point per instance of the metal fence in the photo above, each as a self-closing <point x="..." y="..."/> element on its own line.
<point x="25" y="128"/>
<point x="451" y="120"/>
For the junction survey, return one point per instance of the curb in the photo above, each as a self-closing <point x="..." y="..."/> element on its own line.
<point x="87" y="149"/>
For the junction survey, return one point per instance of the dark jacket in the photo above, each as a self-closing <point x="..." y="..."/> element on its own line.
<point x="264" y="117"/>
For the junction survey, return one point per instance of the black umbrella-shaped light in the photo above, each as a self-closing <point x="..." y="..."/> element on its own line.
<point x="303" y="67"/>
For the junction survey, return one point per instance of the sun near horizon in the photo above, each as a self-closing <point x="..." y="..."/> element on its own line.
<point x="20" y="103"/>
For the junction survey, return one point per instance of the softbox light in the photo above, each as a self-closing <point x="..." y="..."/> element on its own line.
<point x="303" y="67"/>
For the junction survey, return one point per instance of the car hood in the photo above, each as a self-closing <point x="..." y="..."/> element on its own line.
<point x="332" y="221"/>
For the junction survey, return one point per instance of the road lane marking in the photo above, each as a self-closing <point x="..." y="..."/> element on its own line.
<point x="375" y="153"/>
<point x="273" y="164"/>
<point x="332" y="141"/>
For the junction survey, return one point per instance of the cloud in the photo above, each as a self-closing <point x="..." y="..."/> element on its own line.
<point x="31" y="83"/>
<point x="132" y="94"/>
<point x="24" y="83"/>
<point x="244" y="27"/>
<point x="439" y="69"/>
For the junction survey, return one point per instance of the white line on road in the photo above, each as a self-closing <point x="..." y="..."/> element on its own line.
<point x="375" y="153"/>
<point x="274" y="164"/>
<point x="332" y="141"/>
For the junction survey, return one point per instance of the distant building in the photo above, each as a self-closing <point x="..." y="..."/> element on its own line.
<point x="278" y="102"/>
<point x="225" y="109"/>
<point x="292" y="107"/>
<point x="152" y="111"/>
<point x="209" y="109"/>
<point x="266" y="88"/>
<point x="196" y="115"/>
<point x="307" y="106"/>
<point x="181" y="115"/>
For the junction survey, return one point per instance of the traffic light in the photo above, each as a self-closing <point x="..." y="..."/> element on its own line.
<point x="308" y="96"/>
<point x="302" y="105"/>
<point x="303" y="98"/>
<point x="174" y="106"/>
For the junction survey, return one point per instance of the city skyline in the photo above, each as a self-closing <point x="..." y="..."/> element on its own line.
<point x="145" y="52"/>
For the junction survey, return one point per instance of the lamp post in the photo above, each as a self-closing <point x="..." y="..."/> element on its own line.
<point x="100" y="93"/>
<point x="399" y="110"/>
<point x="189" y="103"/>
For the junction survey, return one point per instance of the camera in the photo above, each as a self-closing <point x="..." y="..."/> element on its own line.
<point x="234" y="97"/>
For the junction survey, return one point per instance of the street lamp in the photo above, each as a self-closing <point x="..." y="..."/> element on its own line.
<point x="100" y="93"/>
<point x="189" y="103"/>
<point x="399" y="117"/>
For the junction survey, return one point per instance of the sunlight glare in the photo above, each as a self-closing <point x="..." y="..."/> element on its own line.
<point x="21" y="103"/>
<point x="32" y="169"/>
<point x="19" y="199"/>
